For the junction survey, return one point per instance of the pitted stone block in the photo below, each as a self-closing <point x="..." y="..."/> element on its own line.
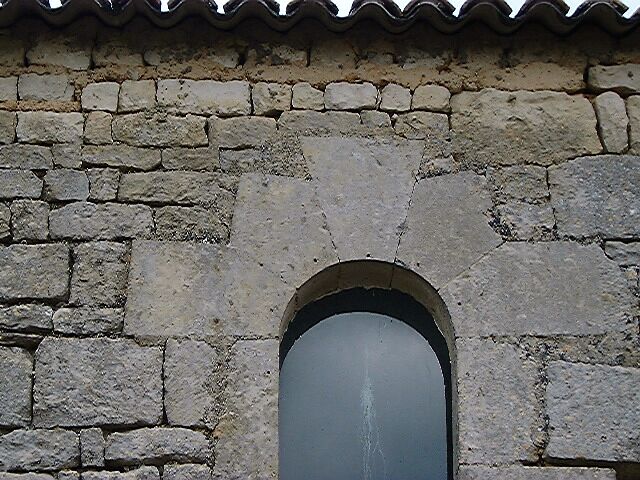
<point x="19" y="184"/>
<point x="205" y="96"/>
<point x="88" y="320"/>
<point x="92" y="447"/>
<point x="29" y="220"/>
<point x="350" y="96"/>
<point x="623" y="253"/>
<point x="240" y="132"/>
<point x="15" y="394"/>
<point x="7" y="127"/>
<point x="27" y="157"/>
<point x="8" y="89"/>
<point x="121" y="156"/>
<point x="136" y="95"/>
<point x="395" y="98"/>
<point x="142" y="130"/>
<point x="431" y="97"/>
<point x="97" y="128"/>
<point x="49" y="127"/>
<point x="103" y="183"/>
<point x="65" y="184"/>
<point x="32" y="86"/>
<point x="99" y="274"/>
<point x="39" y="450"/>
<point x="101" y="96"/>
<point x="270" y="98"/>
<point x="142" y="473"/>
<point x="621" y="78"/>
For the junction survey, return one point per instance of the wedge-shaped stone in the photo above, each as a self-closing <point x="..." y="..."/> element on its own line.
<point x="142" y="473"/>
<point x="121" y="156"/>
<point x="473" y="472"/>
<point x="597" y="196"/>
<point x="49" y="127"/>
<point x="157" y="445"/>
<point x="551" y="288"/>
<point x="39" y="450"/>
<point x="593" y="412"/>
<point x="15" y="394"/>
<point x="142" y="130"/>
<point x="97" y="382"/>
<point x="364" y="222"/>
<point x="205" y="96"/>
<point x="621" y="78"/>
<point x="447" y="229"/>
<point x="493" y="127"/>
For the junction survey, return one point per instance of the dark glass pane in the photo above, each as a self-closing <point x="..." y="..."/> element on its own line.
<point x="362" y="396"/>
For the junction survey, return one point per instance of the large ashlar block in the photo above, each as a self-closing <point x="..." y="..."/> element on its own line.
<point x="39" y="449"/>
<point x="205" y="97"/>
<point x="474" y="472"/>
<point x="49" y="127"/>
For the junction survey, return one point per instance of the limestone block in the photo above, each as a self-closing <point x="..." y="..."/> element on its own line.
<point x="432" y="127"/>
<point x="350" y="96"/>
<point x="49" y="127"/>
<point x="193" y="223"/>
<point x="136" y="95"/>
<point x="189" y="471"/>
<point x="493" y="127"/>
<point x="593" y="412"/>
<point x="100" y="96"/>
<point x="477" y="472"/>
<point x="306" y="97"/>
<point x="158" y="130"/>
<point x="237" y="162"/>
<point x="623" y="253"/>
<point x="32" y="86"/>
<point x="25" y="476"/>
<point x="612" y="121"/>
<point x="97" y="381"/>
<point x="26" y="317"/>
<point x="621" y="78"/>
<point x="27" y="157"/>
<point x="158" y="444"/>
<point x="29" y="220"/>
<point x="97" y="128"/>
<point x="308" y="122"/>
<point x="103" y="183"/>
<point x="142" y="473"/>
<point x="270" y="98"/>
<point x="247" y="430"/>
<point x="61" y="50"/>
<point x="190" y="383"/>
<point x="527" y="183"/>
<point x="364" y="222"/>
<point x="34" y="272"/>
<point x="431" y="97"/>
<point x="554" y="288"/>
<point x="39" y="450"/>
<point x="8" y="89"/>
<point x="191" y="158"/>
<point x="66" y="155"/>
<point x="5" y="221"/>
<point x="447" y="228"/>
<point x="15" y="394"/>
<point x="497" y="406"/>
<point x="90" y="221"/>
<point x="65" y="184"/>
<point x="7" y="127"/>
<point x="597" y="196"/>
<point x="240" y="132"/>
<point x="633" y="109"/>
<point x="99" y="274"/>
<point x="121" y="156"/>
<point x="525" y="221"/>
<point x="88" y="320"/>
<point x="19" y="184"/>
<point x="375" y="119"/>
<point x="92" y="447"/>
<point x="208" y="97"/>
<point x="395" y="98"/>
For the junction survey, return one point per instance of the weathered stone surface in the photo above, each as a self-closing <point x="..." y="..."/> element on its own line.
<point x="395" y="98"/>
<point x="309" y="122"/>
<point x="493" y="127"/>
<point x="540" y="289"/>
<point x="68" y="475"/>
<point x="476" y="472"/>
<point x="278" y="222"/>
<point x="65" y="184"/>
<point x="97" y="128"/>
<point x="194" y="223"/>
<point x="157" y="445"/>
<point x="29" y="220"/>
<point x="350" y="96"/>
<point x="66" y="155"/>
<point x="142" y="473"/>
<point x="8" y="89"/>
<point x="136" y="95"/>
<point x="525" y="221"/>
<point x="237" y="162"/>
<point x="32" y="86"/>
<point x="431" y="97"/>
<point x="103" y="183"/>
<point x="306" y="97"/>
<point x="527" y="183"/>
<point x="121" y="156"/>
<point x="597" y="196"/>
<point x="633" y="109"/>
<point x="189" y="471"/>
<point x="449" y="210"/>
<point x="5" y="221"/>
<point x="88" y="320"/>
<point x="270" y="98"/>
<point x="26" y="317"/>
<point x="240" y="132"/>
<point x="375" y="119"/>
<point x="191" y="159"/>
<point x="205" y="96"/>
<point x="190" y="383"/>
<point x="15" y="394"/>
<point x="111" y="50"/>
<point x="432" y="127"/>
<point x="26" y="476"/>
<point x="65" y="50"/>
<point x="92" y="447"/>
<point x="623" y="253"/>
<point x="97" y="381"/>
<point x="621" y="78"/>
<point x="19" y="184"/>
<point x="90" y="221"/>
<point x="593" y="412"/>
<point x="7" y="127"/>
<point x="28" y="157"/>
<point x="612" y="121"/>
<point x="100" y="96"/>
<point x="39" y="450"/>
<point x="49" y="127"/>
<point x="364" y="222"/>
<point x="99" y="274"/>
<point x="248" y="424"/>
<point x="34" y="272"/>
<point x="158" y="130"/>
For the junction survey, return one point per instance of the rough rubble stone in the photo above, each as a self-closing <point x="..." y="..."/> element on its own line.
<point x="158" y="444"/>
<point x="142" y="473"/>
<point x="97" y="128"/>
<point x="191" y="159"/>
<point x="103" y="183"/>
<point x="270" y="98"/>
<point x="477" y="472"/>
<point x="189" y="382"/>
<point x="432" y="127"/>
<point x="350" y="96"/>
<point x="112" y="50"/>
<point x="15" y="394"/>
<point x="140" y="130"/>
<point x="527" y="183"/>
<point x="26" y="317"/>
<point x="238" y="162"/>
<point x="39" y="450"/>
<point x="240" y="132"/>
<point x="612" y="121"/>
<point x="28" y="157"/>
<point x="496" y="402"/>
<point x="593" y="412"/>
<point x="308" y="122"/>
<point x="621" y="78"/>
<point x="525" y="221"/>
<point x="29" y="220"/>
<point x="8" y="89"/>
<point x="633" y="109"/>
<point x="554" y="288"/>
<point x="395" y="98"/>
<point x="7" y="127"/>
<point x="493" y="127"/>
<point x="431" y="97"/>
<point x="66" y="50"/>
<point x="26" y="476"/>
<point x="34" y="272"/>
<point x="193" y="223"/>
<point x="375" y="119"/>
<point x="66" y="155"/>
<point x="306" y="97"/>
<point x="19" y="184"/>
<point x="32" y="86"/>
<point x="99" y="274"/>
<point x="92" y="447"/>
<point x="364" y="222"/>
<point x="65" y="184"/>
<point x="49" y="127"/>
<point x="5" y="221"/>
<point x="121" y="156"/>
<point x="97" y="382"/>
<point x="623" y="253"/>
<point x="205" y="97"/>
<point x="107" y="221"/>
<point x="136" y="95"/>
<point x="189" y="471"/>
<point x="449" y="210"/>
<point x="100" y="96"/>
<point x="88" y="320"/>
<point x="597" y="196"/>
<point x="68" y="475"/>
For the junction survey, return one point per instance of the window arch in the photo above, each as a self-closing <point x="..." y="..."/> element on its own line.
<point x="365" y="390"/>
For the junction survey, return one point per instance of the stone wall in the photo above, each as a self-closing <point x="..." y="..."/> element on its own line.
<point x="164" y="193"/>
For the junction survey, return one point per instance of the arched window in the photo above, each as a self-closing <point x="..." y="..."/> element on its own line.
<point x="365" y="391"/>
